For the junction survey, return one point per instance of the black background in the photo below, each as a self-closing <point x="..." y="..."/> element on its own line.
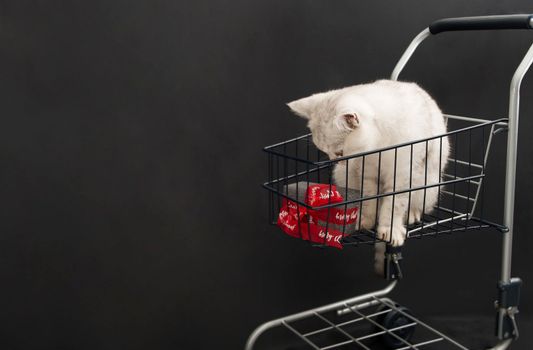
<point x="131" y="213"/>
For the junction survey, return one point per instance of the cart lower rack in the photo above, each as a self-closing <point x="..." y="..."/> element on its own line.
<point x="362" y="323"/>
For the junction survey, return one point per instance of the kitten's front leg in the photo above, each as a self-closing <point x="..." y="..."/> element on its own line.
<point x="368" y="214"/>
<point x="368" y="209"/>
<point x="415" y="213"/>
<point x="366" y="182"/>
<point x="368" y="187"/>
<point x="390" y="222"/>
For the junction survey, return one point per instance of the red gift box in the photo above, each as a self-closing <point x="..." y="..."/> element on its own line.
<point x="301" y="222"/>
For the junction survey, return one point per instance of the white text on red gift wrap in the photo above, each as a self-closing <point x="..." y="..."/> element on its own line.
<point x="336" y="238"/>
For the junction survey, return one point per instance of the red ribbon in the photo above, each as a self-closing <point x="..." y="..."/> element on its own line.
<point x="300" y="222"/>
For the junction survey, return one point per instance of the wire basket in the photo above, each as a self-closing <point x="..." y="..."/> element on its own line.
<point x="383" y="186"/>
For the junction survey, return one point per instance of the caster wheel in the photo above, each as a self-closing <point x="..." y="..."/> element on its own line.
<point x="394" y="319"/>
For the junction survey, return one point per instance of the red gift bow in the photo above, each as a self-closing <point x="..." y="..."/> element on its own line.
<point x="298" y="221"/>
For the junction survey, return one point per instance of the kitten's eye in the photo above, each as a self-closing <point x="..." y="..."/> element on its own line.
<point x="338" y="154"/>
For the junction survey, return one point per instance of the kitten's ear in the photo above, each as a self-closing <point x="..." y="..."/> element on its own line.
<point x="304" y="106"/>
<point x="347" y="121"/>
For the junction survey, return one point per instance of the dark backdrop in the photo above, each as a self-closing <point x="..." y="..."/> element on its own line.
<point x="131" y="213"/>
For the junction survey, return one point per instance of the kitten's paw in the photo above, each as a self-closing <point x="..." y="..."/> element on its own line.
<point x="415" y="216"/>
<point x="398" y="234"/>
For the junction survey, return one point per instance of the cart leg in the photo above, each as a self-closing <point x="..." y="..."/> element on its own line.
<point x="508" y="311"/>
<point x="258" y="331"/>
<point x="504" y="344"/>
<point x="340" y="305"/>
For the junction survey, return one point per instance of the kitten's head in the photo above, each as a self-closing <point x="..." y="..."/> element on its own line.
<point x="332" y="116"/>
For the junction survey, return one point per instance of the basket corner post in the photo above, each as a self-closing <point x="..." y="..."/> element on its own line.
<point x="393" y="269"/>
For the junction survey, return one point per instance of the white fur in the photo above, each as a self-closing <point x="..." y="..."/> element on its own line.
<point x="366" y="117"/>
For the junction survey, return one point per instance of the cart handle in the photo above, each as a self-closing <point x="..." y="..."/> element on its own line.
<point x="482" y="23"/>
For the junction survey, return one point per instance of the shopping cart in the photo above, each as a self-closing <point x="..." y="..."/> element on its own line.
<point x="361" y="321"/>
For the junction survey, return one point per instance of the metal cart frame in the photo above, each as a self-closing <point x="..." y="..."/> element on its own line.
<point x="509" y="288"/>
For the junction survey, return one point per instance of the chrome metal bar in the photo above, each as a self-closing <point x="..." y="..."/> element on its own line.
<point x="330" y="307"/>
<point x="336" y="345"/>
<point x="472" y="120"/>
<point x="502" y="345"/>
<point x="409" y="52"/>
<point x="510" y="175"/>
<point x="358" y="306"/>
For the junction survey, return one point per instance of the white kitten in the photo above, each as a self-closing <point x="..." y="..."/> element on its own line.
<point x="371" y="116"/>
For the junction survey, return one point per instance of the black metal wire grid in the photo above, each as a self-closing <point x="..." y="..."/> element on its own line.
<point x="297" y="162"/>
